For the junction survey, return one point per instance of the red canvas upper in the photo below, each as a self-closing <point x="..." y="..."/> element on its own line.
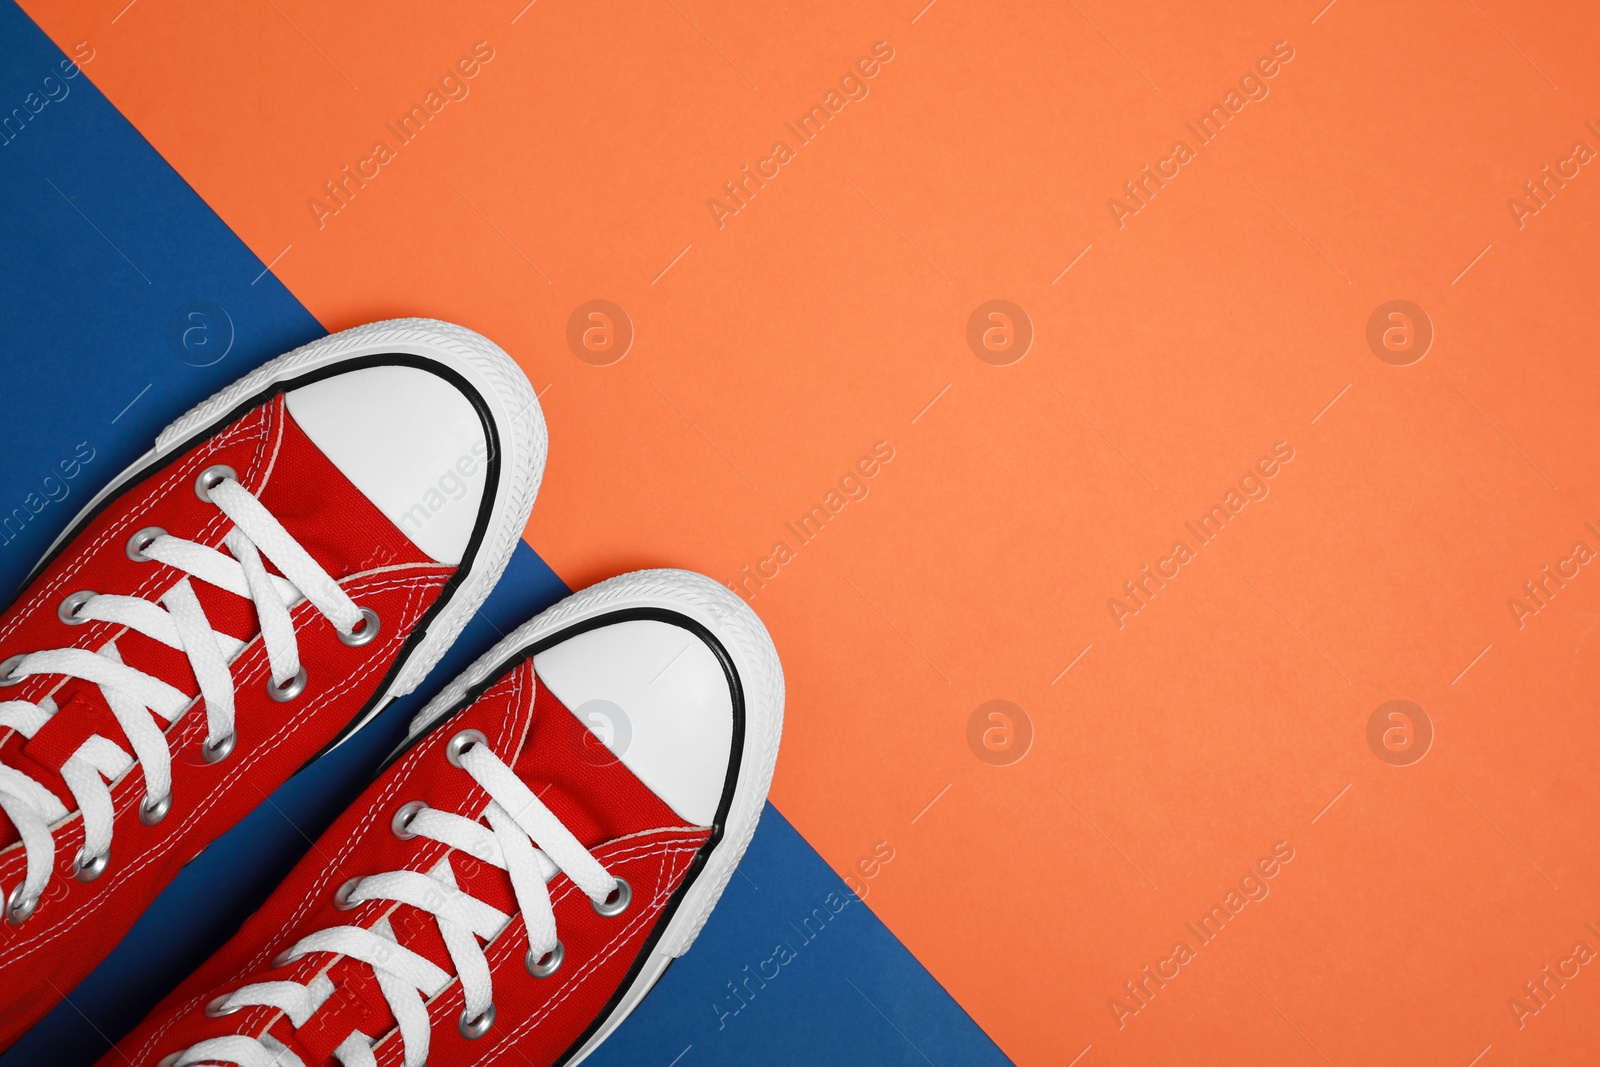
<point x="627" y="828"/>
<point x="77" y="924"/>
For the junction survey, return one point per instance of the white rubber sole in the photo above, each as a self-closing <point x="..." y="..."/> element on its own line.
<point x="513" y="408"/>
<point x="755" y="661"/>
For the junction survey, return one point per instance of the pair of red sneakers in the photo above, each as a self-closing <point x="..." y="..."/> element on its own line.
<point x="293" y="554"/>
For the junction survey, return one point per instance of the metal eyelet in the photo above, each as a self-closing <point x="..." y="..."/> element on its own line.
<point x="460" y="743"/>
<point x="286" y="957"/>
<point x="474" y="1028"/>
<point x="401" y="823"/>
<point x="19" y="907"/>
<point x="68" y="611"/>
<point x="212" y="477"/>
<point x="341" y="896"/>
<point x="288" y="690"/>
<point x="616" y="902"/>
<point x="8" y="670"/>
<point x="546" y="965"/>
<point x="216" y="753"/>
<point x="87" y="870"/>
<point x="171" y="1059"/>
<point x="363" y="633"/>
<point x="152" y="811"/>
<point x="141" y="541"/>
<point x="217" y="1007"/>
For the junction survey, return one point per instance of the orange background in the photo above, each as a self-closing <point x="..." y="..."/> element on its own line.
<point x="773" y="352"/>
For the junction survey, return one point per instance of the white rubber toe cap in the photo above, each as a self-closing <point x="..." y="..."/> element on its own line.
<point x="410" y="441"/>
<point x="658" y="698"/>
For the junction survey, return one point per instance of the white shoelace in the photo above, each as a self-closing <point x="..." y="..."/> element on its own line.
<point x="516" y="819"/>
<point x="180" y="623"/>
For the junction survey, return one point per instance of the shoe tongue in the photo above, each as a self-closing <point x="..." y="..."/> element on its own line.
<point x="591" y="791"/>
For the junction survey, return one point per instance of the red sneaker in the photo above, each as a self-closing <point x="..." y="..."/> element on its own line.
<point x="514" y="879"/>
<point x="291" y="555"/>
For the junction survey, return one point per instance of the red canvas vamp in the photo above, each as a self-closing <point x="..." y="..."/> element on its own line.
<point x="630" y="831"/>
<point x="76" y="924"/>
